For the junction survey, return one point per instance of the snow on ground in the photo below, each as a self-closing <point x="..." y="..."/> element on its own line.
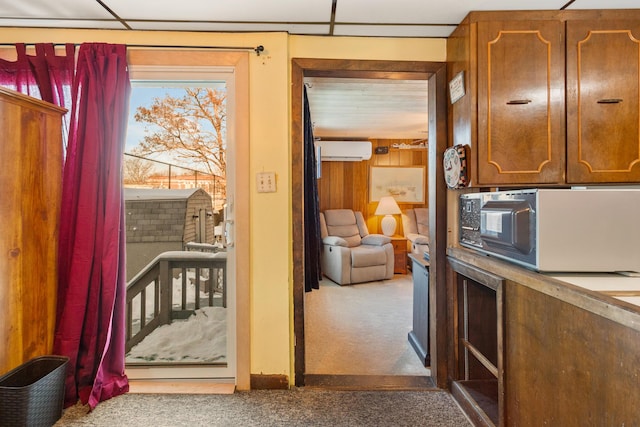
<point x="200" y="338"/>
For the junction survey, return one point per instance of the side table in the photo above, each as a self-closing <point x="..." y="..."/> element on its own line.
<point x="400" y="254"/>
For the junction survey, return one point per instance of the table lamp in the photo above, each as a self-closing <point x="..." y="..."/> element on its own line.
<point x="388" y="207"/>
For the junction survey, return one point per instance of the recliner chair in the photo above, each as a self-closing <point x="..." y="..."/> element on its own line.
<point x="415" y="223"/>
<point x="350" y="254"/>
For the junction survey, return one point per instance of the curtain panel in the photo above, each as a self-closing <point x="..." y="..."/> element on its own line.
<point x="45" y="75"/>
<point x="312" y="241"/>
<point x="90" y="324"/>
<point x="91" y="303"/>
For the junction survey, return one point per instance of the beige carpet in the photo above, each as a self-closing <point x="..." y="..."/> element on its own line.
<point x="278" y="408"/>
<point x="361" y="329"/>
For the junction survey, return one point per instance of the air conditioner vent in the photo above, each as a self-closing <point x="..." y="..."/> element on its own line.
<point x="344" y="151"/>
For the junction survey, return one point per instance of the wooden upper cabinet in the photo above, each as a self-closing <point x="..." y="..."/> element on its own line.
<point x="603" y="111"/>
<point x="521" y="115"/>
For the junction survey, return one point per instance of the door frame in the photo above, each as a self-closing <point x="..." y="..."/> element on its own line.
<point x="238" y="263"/>
<point x="435" y="74"/>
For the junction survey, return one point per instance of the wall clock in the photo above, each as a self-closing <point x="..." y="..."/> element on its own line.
<point x="455" y="167"/>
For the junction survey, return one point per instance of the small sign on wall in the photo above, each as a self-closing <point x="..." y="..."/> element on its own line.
<point x="456" y="87"/>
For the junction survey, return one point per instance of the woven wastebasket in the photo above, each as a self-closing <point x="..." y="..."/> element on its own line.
<point x="33" y="393"/>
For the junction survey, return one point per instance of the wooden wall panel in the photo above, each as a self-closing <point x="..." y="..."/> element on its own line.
<point x="345" y="185"/>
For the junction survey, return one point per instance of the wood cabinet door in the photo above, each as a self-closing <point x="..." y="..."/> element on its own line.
<point x="603" y="91"/>
<point x="521" y="115"/>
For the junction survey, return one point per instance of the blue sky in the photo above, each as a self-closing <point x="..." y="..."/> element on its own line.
<point x="144" y="95"/>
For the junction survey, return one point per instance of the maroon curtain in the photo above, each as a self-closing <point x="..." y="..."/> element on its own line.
<point x="91" y="300"/>
<point x="92" y="288"/>
<point x="43" y="75"/>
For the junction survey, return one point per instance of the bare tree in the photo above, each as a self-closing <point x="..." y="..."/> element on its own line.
<point x="136" y="171"/>
<point x="191" y="128"/>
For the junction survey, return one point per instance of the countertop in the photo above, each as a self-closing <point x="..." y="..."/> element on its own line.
<point x="624" y="288"/>
<point x="610" y="295"/>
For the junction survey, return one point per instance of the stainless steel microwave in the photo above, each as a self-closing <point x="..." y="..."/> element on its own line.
<point x="555" y="230"/>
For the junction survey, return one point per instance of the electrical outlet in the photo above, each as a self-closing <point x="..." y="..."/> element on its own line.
<point x="266" y="182"/>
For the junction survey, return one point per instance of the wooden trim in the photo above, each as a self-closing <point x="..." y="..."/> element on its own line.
<point x="10" y="95"/>
<point x="179" y="387"/>
<point x="483" y="277"/>
<point x="481" y="357"/>
<point x="461" y="392"/>
<point x="243" y="254"/>
<point x="297" y="197"/>
<point x="554" y="15"/>
<point x="269" y="382"/>
<point x="370" y="382"/>
<point x="437" y="191"/>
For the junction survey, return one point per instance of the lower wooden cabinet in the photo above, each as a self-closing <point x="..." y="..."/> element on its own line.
<point x="478" y="382"/>
<point x="529" y="349"/>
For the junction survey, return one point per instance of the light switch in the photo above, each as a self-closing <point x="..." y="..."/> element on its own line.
<point x="266" y="182"/>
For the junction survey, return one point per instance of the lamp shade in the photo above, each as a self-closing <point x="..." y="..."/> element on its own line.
<point x="388" y="207"/>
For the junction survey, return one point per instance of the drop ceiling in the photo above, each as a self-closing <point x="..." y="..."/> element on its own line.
<point x="386" y="18"/>
<point x="340" y="108"/>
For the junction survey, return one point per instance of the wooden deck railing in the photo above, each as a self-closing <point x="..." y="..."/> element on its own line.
<point x="159" y="279"/>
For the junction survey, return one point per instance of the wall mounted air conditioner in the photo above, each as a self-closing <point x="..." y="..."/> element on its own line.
<point x="344" y="151"/>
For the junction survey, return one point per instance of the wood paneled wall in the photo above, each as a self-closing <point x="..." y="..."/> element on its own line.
<point x="345" y="185"/>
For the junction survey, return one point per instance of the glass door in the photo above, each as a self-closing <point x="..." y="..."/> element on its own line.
<point x="179" y="198"/>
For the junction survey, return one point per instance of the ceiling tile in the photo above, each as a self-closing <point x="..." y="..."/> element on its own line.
<point x="225" y="10"/>
<point x="431" y="12"/>
<point x="61" y="23"/>
<point x="394" y="30"/>
<point x="320" y="29"/>
<point x="59" y="9"/>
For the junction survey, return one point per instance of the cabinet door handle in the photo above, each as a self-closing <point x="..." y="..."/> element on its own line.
<point x="518" y="101"/>
<point x="610" y="101"/>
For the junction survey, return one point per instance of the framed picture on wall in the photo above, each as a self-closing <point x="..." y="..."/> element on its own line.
<point x="405" y="183"/>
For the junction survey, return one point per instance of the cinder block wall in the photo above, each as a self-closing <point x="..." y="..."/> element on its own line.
<point x="152" y="227"/>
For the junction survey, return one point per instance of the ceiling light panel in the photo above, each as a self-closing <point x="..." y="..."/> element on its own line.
<point x="394" y="30"/>
<point x="428" y="12"/>
<point x="224" y="10"/>
<point x="59" y="9"/>
<point x="320" y="29"/>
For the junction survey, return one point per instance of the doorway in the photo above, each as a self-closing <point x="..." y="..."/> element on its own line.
<point x="435" y="74"/>
<point x="236" y="207"/>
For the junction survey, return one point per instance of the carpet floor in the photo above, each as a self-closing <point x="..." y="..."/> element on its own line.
<point x="296" y="407"/>
<point x="361" y="329"/>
